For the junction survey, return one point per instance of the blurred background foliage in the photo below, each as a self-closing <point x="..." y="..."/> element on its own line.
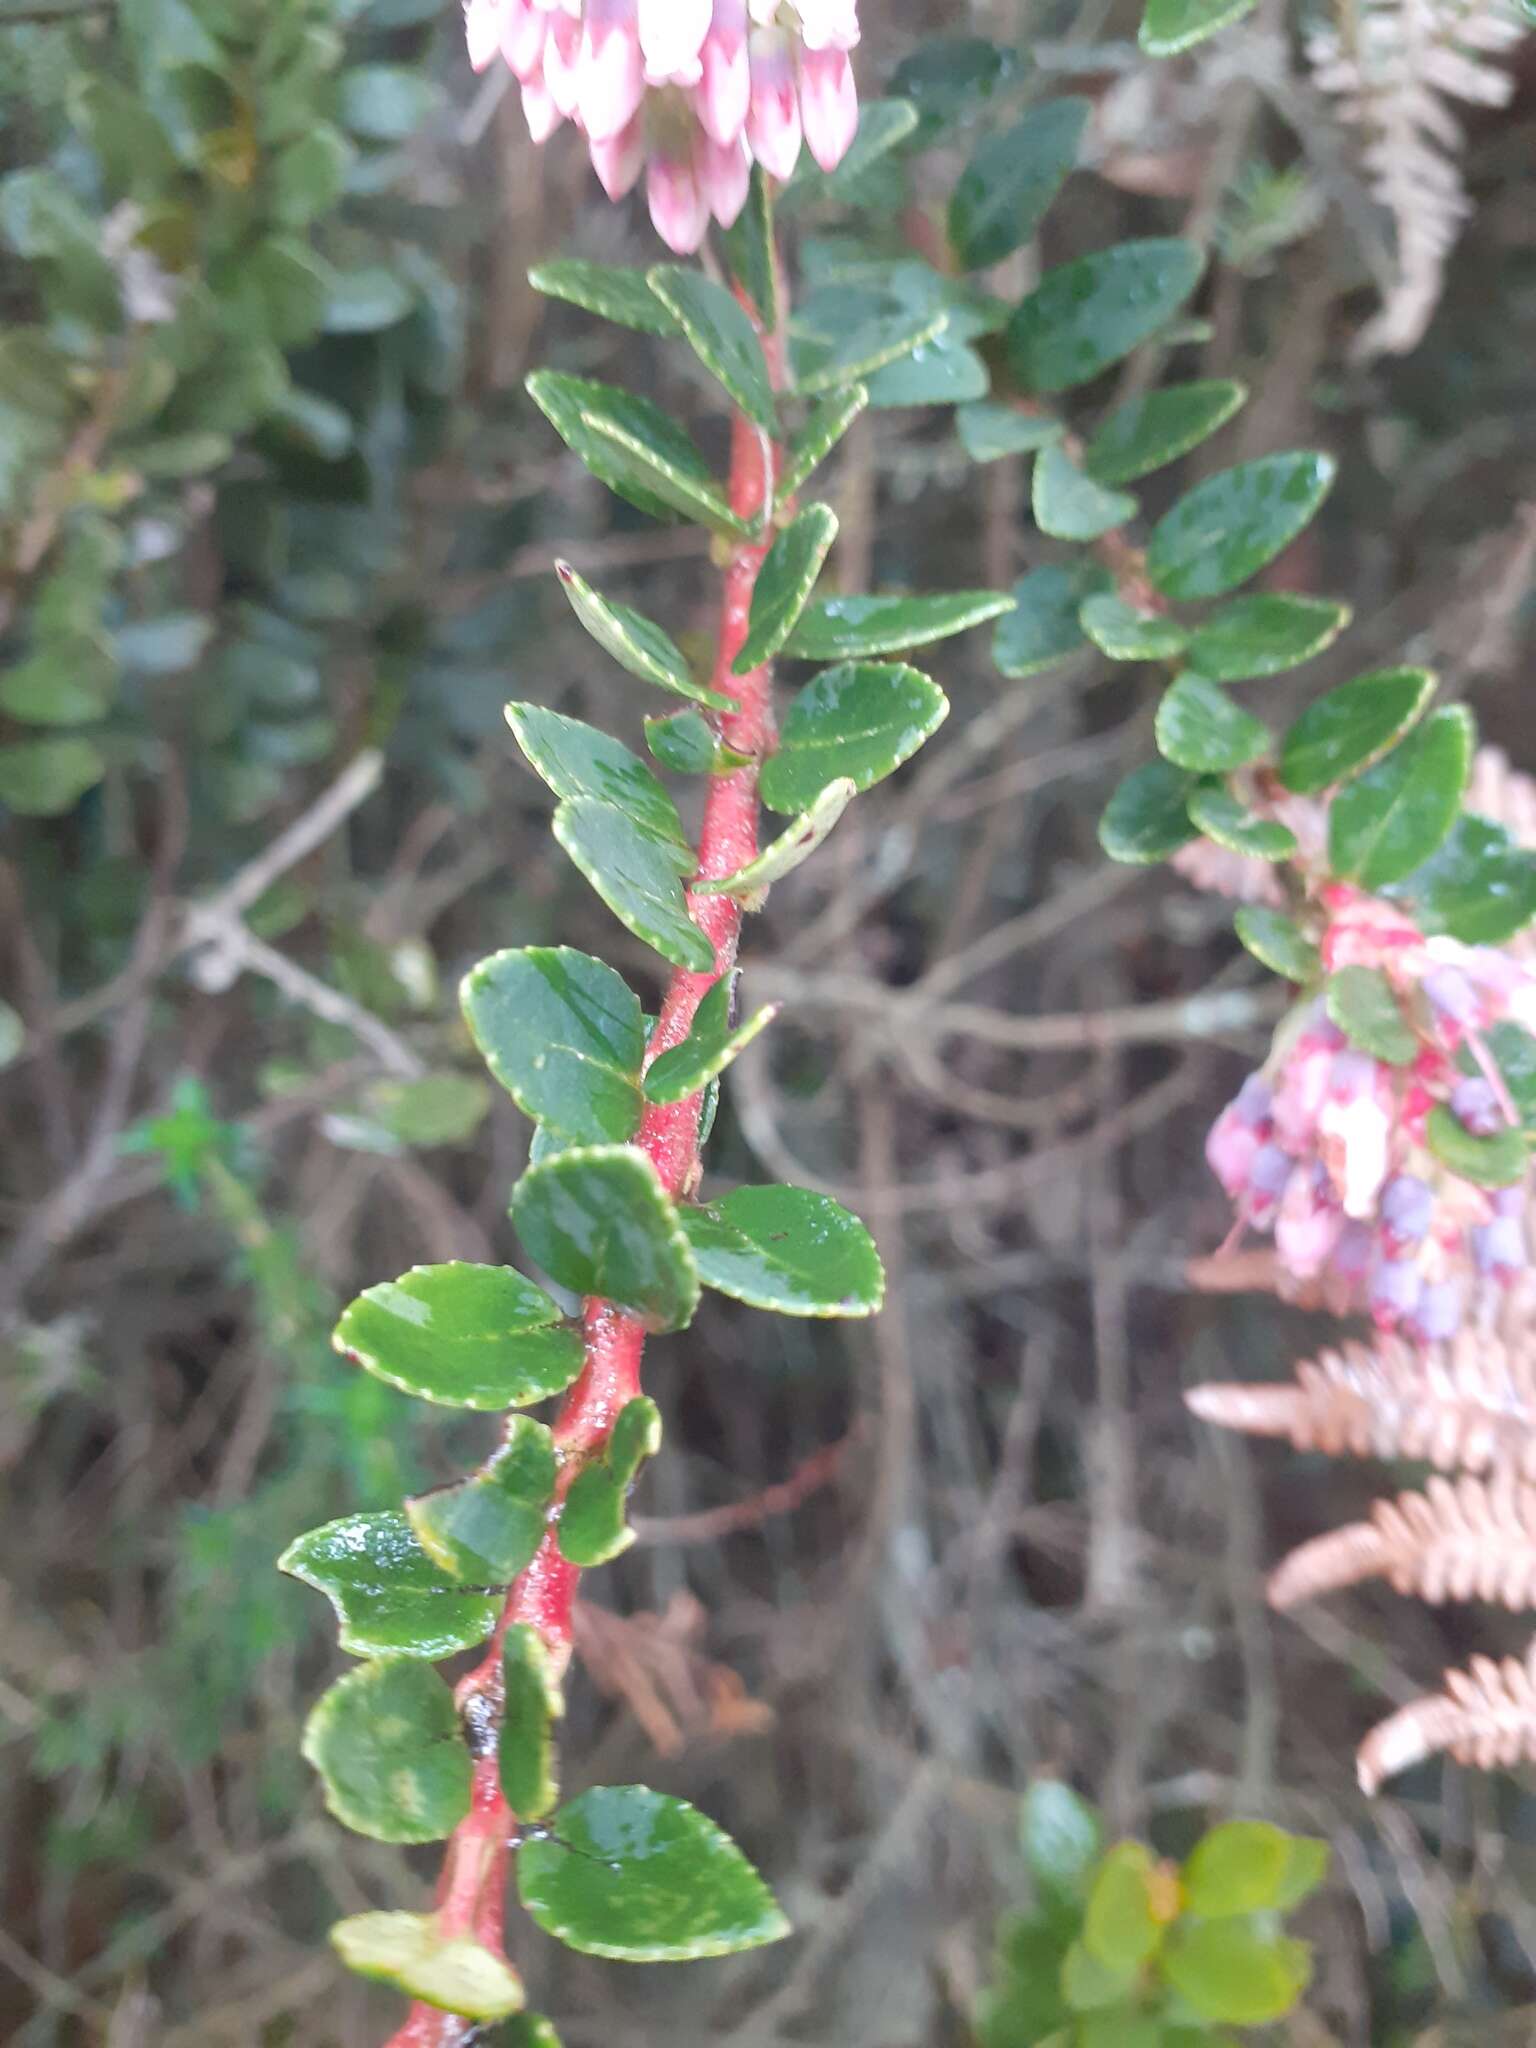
<point x="275" y="526"/>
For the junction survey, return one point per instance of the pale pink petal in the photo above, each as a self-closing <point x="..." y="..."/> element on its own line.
<point x="829" y="105"/>
<point x="539" y="110"/>
<point x="773" y="125"/>
<point x="482" y="31"/>
<point x="726" y="172"/>
<point x="610" y="76"/>
<point x="672" y="33"/>
<point x="619" y="159"/>
<point x="561" y="56"/>
<point x="829" y="24"/>
<point x="678" y="203"/>
<point x="523" y="29"/>
<point x="725" y="85"/>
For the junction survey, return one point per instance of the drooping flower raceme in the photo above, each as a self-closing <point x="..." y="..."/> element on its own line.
<point x="691" y="92"/>
<point x="1391" y="1178"/>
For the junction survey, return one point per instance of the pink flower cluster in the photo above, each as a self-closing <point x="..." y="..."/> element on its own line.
<point x="1325" y="1147"/>
<point x="690" y="91"/>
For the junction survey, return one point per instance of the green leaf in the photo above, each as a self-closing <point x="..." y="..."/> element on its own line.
<point x="790" y="850"/>
<point x="592" y="1529"/>
<point x="1089" y="1984"/>
<point x="1158" y="427"/>
<point x="608" y="290"/>
<point x="634" y="1875"/>
<point x="1070" y="505"/>
<point x="1263" y="634"/>
<point x="1391" y="819"/>
<point x="1087" y="314"/>
<point x="682" y="742"/>
<point x="1147" y="818"/>
<point x="408" y="1951"/>
<point x="41" y="778"/>
<point x="531" y="1704"/>
<point x="1227" y="528"/>
<point x="722" y="337"/>
<point x="1126" y="633"/>
<point x="1061" y="1837"/>
<point x="990" y="430"/>
<point x="487" y="1528"/>
<point x="564" y="1035"/>
<point x="1495" y="1162"/>
<point x="943" y="371"/>
<point x="532" y="2029"/>
<point x="1278" y="942"/>
<point x="1044" y="626"/>
<point x="784" y="582"/>
<point x="389" y="1596"/>
<point x="860" y="333"/>
<point x="708" y="1049"/>
<point x="386" y="102"/>
<point x="750" y="253"/>
<point x="577" y="760"/>
<point x="787" y="1250"/>
<point x="1480" y="887"/>
<point x="462" y="1336"/>
<point x="1169" y="26"/>
<point x="860" y="720"/>
<point x="1350" y="727"/>
<point x="1199" y="727"/>
<point x="366" y="301"/>
<point x="387" y="1744"/>
<point x="840" y="628"/>
<point x="1120" y="1928"/>
<point x="1514" y="1054"/>
<point x="636" y="642"/>
<point x="309" y="176"/>
<point x="70" y="681"/>
<point x="825" y="426"/>
<point x="1003" y="193"/>
<point x="1304" y="1871"/>
<point x="1239" y="1867"/>
<point x="1221" y="817"/>
<point x="435" y="1109"/>
<point x="598" y="1220"/>
<point x="669" y="478"/>
<point x="636" y="874"/>
<point x="1228" y="1971"/>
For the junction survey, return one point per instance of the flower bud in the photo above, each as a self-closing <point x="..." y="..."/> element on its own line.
<point x="773" y="123"/>
<point x="678" y="203"/>
<point x="1474" y="1104"/>
<point x="829" y="105"/>
<point x="610" y="75"/>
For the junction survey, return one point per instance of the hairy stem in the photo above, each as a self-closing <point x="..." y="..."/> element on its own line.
<point x="471" y="1891"/>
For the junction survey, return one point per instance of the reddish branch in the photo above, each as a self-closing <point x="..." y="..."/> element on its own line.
<point x="472" y="1890"/>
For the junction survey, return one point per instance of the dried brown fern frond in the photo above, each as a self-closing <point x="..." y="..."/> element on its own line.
<point x="1471" y="1539"/>
<point x="1486" y="1717"/>
<point x="1463" y="1407"/>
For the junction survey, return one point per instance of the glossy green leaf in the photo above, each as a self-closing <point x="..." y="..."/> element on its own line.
<point x="1240" y="1867"/>
<point x="1263" y="634"/>
<point x="1120" y="1927"/>
<point x="1350" y="727"/>
<point x="843" y="628"/>
<point x="634" y="1875"/>
<point x="1389" y="821"/>
<point x="578" y="760"/>
<point x="1044" y="626"/>
<point x="1061" y="1836"/>
<point x="1147" y="818"/>
<point x="709" y="1047"/>
<point x="860" y="720"/>
<point x="790" y="850"/>
<point x="597" y="1219"/>
<point x="486" y="1528"/>
<point x="990" y="430"/>
<point x="564" y="1035"/>
<point x="389" y="1596"/>
<point x="721" y="335"/>
<point x="1200" y="727"/>
<point x="592" y="1528"/>
<point x="1221" y="817"/>
<point x="1494" y="1162"/>
<point x="1480" y="887"/>
<point x="1278" y="942"/>
<point x="1126" y="633"/>
<point x="683" y="742"/>
<point x="1089" y="1984"/>
<point x="1228" y="1970"/>
<point x="1158" y="427"/>
<point x="531" y="1704"/>
<point x="1070" y="505"/>
<point x="409" y="1951"/>
<point x="787" y="1250"/>
<point x="611" y="292"/>
<point x="1087" y="314"/>
<point x="784" y="583"/>
<point x="463" y="1336"/>
<point x="387" y="1744"/>
<point x="857" y="335"/>
<point x="666" y="477"/>
<point x="1003" y="193"/>
<point x="825" y="426"/>
<point x="1169" y="26"/>
<point x="1231" y="524"/>
<point x="637" y="876"/>
<point x="636" y="642"/>
<point x="943" y="371"/>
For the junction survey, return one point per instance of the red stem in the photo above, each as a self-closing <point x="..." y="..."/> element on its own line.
<point x="472" y="1890"/>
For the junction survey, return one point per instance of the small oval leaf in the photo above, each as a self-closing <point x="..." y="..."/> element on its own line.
<point x="858" y="721"/>
<point x="788" y="1250"/>
<point x="1350" y="727"/>
<point x="387" y="1744"/>
<point x="1227" y="528"/>
<point x="597" y="1219"/>
<point x="463" y="1336"/>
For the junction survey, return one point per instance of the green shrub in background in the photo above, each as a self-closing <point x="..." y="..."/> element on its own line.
<point x="1122" y="1949"/>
